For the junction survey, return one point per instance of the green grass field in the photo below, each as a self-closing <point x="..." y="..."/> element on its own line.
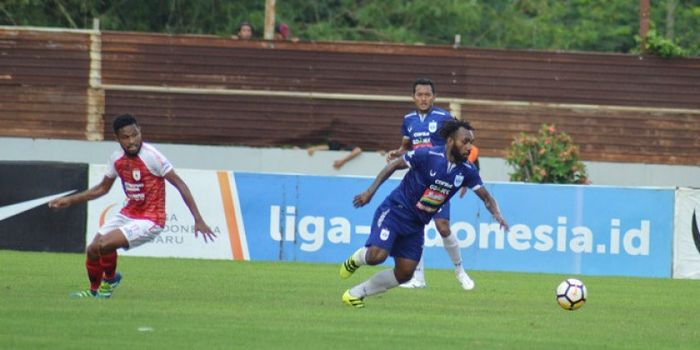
<point x="205" y="304"/>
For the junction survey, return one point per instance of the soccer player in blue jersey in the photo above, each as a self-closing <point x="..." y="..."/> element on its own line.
<point x="420" y="129"/>
<point x="435" y="175"/>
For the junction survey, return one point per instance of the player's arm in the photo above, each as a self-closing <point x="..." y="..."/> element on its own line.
<point x="338" y="163"/>
<point x="311" y="150"/>
<point x="462" y="191"/>
<point x="97" y="191"/>
<point x="364" y="197"/>
<point x="492" y="207"/>
<point x="199" y="225"/>
<point x="405" y="147"/>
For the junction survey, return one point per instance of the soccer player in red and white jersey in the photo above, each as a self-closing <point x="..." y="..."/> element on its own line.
<point x="143" y="171"/>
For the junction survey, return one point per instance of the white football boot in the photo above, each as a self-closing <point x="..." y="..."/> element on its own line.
<point x="463" y="278"/>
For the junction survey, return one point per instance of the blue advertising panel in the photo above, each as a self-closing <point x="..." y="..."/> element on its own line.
<point x="571" y="229"/>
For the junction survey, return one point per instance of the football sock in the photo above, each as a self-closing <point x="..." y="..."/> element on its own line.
<point x="109" y="264"/>
<point x="419" y="273"/>
<point x="359" y="256"/>
<point x="452" y="247"/>
<point x="379" y="283"/>
<point x="94" y="270"/>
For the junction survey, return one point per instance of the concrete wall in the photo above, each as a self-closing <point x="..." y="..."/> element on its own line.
<point x="298" y="161"/>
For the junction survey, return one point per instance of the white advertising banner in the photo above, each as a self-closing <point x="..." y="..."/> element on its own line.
<point x="686" y="236"/>
<point x="566" y="228"/>
<point x="216" y="198"/>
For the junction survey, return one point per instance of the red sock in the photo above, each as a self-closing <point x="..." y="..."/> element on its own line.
<point x="109" y="264"/>
<point x="95" y="272"/>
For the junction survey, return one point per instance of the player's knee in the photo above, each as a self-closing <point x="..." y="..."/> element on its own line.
<point x="106" y="249"/>
<point x="93" y="251"/>
<point x="375" y="256"/>
<point x="102" y="246"/>
<point x="403" y="275"/>
<point x="443" y="228"/>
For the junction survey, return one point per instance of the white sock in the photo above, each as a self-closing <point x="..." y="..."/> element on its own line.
<point x="452" y="248"/>
<point x="359" y="256"/>
<point x="419" y="273"/>
<point x="379" y="283"/>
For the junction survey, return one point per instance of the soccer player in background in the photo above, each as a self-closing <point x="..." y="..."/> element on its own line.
<point x="435" y="175"/>
<point x="142" y="170"/>
<point x="420" y="129"/>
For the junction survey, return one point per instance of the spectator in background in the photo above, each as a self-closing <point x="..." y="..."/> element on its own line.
<point x="245" y="31"/>
<point x="337" y="146"/>
<point x="282" y="33"/>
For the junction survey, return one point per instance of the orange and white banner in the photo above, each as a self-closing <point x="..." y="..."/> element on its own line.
<point x="217" y="199"/>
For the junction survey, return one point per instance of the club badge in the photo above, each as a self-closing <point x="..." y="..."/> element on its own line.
<point x="458" y="180"/>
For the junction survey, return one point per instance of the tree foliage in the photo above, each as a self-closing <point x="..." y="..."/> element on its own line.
<point x="583" y="25"/>
<point x="660" y="46"/>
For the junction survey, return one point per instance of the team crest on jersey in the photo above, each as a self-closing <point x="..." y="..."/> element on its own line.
<point x="136" y="174"/>
<point x="432" y="126"/>
<point x="384" y="234"/>
<point x="458" y="180"/>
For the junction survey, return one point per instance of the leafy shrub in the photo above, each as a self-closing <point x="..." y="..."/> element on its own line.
<point x="548" y="157"/>
<point x="659" y="46"/>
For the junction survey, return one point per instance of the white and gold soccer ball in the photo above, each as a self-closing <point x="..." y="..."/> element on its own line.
<point x="571" y="294"/>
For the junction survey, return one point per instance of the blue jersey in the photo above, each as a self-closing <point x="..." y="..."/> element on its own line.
<point x="430" y="182"/>
<point x="422" y="132"/>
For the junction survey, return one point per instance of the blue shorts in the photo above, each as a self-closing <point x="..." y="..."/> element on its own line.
<point x="444" y="212"/>
<point x="392" y="231"/>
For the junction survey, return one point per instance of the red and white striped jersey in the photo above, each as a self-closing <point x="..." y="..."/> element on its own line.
<point x="143" y="182"/>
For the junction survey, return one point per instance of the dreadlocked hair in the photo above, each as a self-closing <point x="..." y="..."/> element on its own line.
<point x="449" y="128"/>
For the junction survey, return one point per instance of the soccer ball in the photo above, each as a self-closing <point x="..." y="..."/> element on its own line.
<point x="571" y="294"/>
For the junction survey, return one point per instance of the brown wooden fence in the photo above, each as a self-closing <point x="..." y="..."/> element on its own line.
<point x="211" y="90"/>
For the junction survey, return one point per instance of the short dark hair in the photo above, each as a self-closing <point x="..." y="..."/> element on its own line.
<point x="450" y="127"/>
<point x="246" y="23"/>
<point x="424" y="81"/>
<point x="123" y="120"/>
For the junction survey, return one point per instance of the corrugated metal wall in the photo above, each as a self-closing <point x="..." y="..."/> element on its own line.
<point x="43" y="83"/>
<point x="617" y="107"/>
<point x="609" y="79"/>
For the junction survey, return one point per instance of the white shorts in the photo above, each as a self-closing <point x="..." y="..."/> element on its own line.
<point x="136" y="231"/>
